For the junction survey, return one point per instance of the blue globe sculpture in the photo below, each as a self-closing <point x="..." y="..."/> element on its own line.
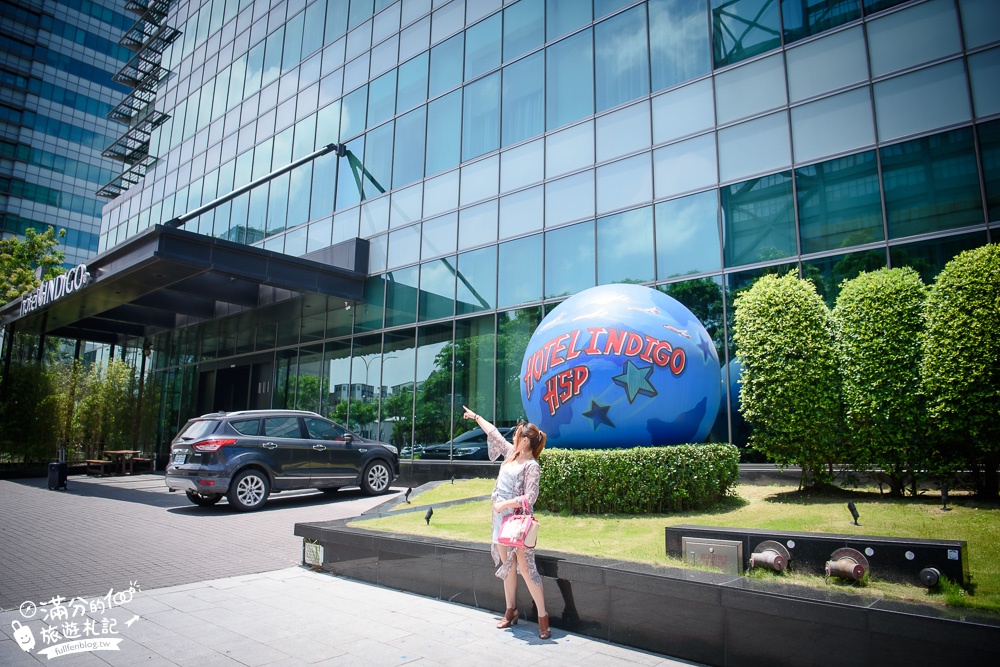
<point x="621" y="366"/>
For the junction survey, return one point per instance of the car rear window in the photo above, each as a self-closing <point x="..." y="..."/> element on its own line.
<point x="246" y="426"/>
<point x="198" y="428"/>
<point x="282" y="427"/>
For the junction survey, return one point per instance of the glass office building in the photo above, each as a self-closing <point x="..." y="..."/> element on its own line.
<point x="501" y="156"/>
<point x="57" y="62"/>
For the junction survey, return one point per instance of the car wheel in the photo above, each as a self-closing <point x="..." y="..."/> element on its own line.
<point x="203" y="501"/>
<point x="249" y="491"/>
<point x="376" y="478"/>
<point x="330" y="490"/>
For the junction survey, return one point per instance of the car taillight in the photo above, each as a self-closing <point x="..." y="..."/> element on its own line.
<point x="211" y="445"/>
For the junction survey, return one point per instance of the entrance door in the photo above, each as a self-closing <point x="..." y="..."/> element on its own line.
<point x="232" y="389"/>
<point x="261" y="385"/>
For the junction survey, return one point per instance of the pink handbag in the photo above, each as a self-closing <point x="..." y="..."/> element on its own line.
<point x="519" y="529"/>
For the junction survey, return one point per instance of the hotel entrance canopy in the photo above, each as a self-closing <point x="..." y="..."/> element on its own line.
<point x="164" y="278"/>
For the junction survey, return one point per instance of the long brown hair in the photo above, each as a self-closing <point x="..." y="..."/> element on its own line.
<point x="536" y="437"/>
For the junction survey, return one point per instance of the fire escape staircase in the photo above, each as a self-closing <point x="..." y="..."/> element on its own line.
<point x="149" y="37"/>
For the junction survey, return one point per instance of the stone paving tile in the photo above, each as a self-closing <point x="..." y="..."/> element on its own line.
<point x="249" y="603"/>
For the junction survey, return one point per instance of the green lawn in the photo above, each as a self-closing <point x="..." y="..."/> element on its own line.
<point x="641" y="538"/>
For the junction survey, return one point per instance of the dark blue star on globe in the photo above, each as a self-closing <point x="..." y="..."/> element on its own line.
<point x="598" y="414"/>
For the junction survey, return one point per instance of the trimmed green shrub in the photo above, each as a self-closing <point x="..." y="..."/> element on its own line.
<point x="641" y="480"/>
<point x="790" y="390"/>
<point x="878" y="321"/>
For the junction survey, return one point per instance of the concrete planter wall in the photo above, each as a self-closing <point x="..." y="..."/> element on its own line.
<point x="715" y="619"/>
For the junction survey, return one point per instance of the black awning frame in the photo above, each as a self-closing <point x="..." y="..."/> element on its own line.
<point x="136" y="287"/>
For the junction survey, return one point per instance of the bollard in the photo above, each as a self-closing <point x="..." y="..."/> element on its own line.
<point x="847" y="563"/>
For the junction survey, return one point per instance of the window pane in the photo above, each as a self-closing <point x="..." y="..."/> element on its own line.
<point x="922" y="100"/>
<point x="989" y="144"/>
<point x="415" y="38"/>
<point x="277" y="203"/>
<point x="758" y="218"/>
<point x="624" y="183"/>
<point x="401" y="296"/>
<point x="446" y="65"/>
<point x="828" y="273"/>
<point x="481" y="117"/>
<point x="833" y="125"/>
<point x="523" y="28"/>
<point x="382" y="98"/>
<point x="298" y="195"/>
<point x="514" y="330"/>
<point x="521" y="166"/>
<point x="482" y="52"/>
<point x="441" y="193"/>
<point x="931" y="184"/>
<point x="475" y="345"/>
<point x="564" y="16"/>
<point x="369" y="313"/>
<point x="521" y="212"/>
<point x="479" y="180"/>
<point x="685" y="166"/>
<point x="404" y="246"/>
<point x="750" y="89"/>
<point x="412" y="83"/>
<point x="684" y="111"/>
<point x="743" y="28"/>
<point x="349" y="174"/>
<point x="523" y="99"/>
<point x="375" y="216"/>
<point x="621" y="58"/>
<point x="477" y="225"/>
<point x="477" y="280"/>
<point x="687" y="235"/>
<point x="396" y="390"/>
<point x="928" y="257"/>
<point x="918" y="34"/>
<point x="839" y="203"/>
<point x="437" y="289"/>
<point x="377" y="176"/>
<point x="811" y="17"/>
<point x="827" y="63"/>
<point x="354" y="113"/>
<point x="432" y="416"/>
<point x="408" y="165"/>
<point x="569" y="259"/>
<point x="520" y="272"/>
<point x="444" y="132"/>
<point x="979" y="21"/>
<point x="569" y="82"/>
<point x="447" y="21"/>
<point x="622" y="132"/>
<point x="755" y="146"/>
<point x="625" y="247"/>
<point x="984" y="71"/>
<point x="406" y="206"/>
<point x="440" y="236"/>
<point x="569" y="149"/>
<point x="679" y="43"/>
<point x="570" y="198"/>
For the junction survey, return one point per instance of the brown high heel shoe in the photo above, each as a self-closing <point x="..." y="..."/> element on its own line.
<point x="543" y="627"/>
<point x="509" y="618"/>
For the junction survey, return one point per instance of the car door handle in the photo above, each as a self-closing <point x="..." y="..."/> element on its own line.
<point x="319" y="448"/>
<point x="269" y="445"/>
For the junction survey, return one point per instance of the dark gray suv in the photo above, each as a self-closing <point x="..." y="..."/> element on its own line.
<point x="248" y="454"/>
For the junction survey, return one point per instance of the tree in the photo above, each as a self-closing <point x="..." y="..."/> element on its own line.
<point x="20" y="258"/>
<point x="960" y="371"/>
<point x="878" y="323"/>
<point x="791" y="388"/>
<point x="363" y="412"/>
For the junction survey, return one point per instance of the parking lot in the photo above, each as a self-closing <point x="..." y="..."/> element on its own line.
<point x="103" y="533"/>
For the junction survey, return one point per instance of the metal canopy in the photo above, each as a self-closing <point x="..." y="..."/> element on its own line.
<point x="164" y="278"/>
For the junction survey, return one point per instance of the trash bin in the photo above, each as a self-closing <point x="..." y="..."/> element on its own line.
<point x="57" y="475"/>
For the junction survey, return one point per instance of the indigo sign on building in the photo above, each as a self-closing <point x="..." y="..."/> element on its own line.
<point x="621" y="366"/>
<point x="56" y="288"/>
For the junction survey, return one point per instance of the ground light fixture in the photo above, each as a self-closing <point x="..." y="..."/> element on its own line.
<point x="854" y="512"/>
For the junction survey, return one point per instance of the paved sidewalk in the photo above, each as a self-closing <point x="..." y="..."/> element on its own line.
<point x="295" y="616"/>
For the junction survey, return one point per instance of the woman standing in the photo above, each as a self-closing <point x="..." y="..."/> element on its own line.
<point x="516" y="486"/>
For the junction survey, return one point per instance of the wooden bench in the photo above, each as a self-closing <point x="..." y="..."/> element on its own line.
<point x="99" y="467"/>
<point x="141" y="464"/>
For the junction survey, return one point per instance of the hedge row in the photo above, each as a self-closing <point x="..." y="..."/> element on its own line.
<point x="641" y="480"/>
